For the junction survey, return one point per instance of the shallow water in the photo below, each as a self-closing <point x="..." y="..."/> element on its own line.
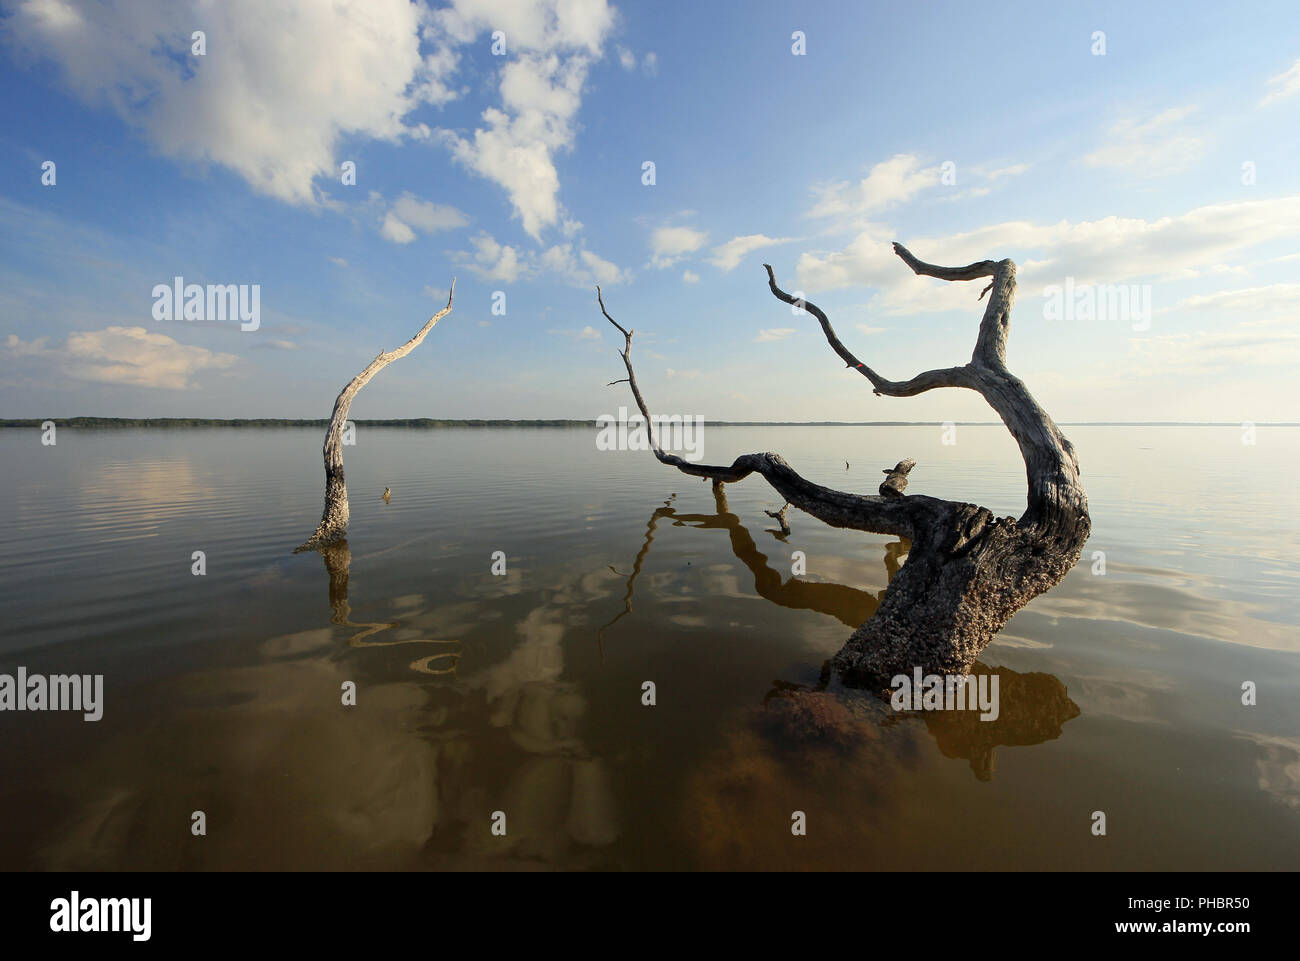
<point x="522" y="693"/>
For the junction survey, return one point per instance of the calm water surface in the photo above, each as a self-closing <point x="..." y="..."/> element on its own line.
<point x="522" y="693"/>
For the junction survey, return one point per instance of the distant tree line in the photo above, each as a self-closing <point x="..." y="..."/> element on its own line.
<point x="283" y="422"/>
<point x="431" y="422"/>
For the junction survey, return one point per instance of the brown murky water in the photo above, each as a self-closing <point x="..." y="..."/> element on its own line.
<point x="522" y="693"/>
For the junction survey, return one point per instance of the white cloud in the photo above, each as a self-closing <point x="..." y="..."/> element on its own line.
<point x="284" y="82"/>
<point x="774" y="333"/>
<point x="131" y="356"/>
<point x="530" y="26"/>
<point x="587" y="333"/>
<point x="887" y="184"/>
<point x="272" y="111"/>
<point x="668" y="245"/>
<point x="627" y="60"/>
<point x="1015" y="170"/>
<point x="1241" y="347"/>
<point x="494" y="261"/>
<point x="1272" y="300"/>
<point x="682" y="374"/>
<point x="396" y="231"/>
<point x="338" y="261"/>
<point x="729" y="255"/>
<point x="581" y="268"/>
<point x="410" y="214"/>
<point x="1285" y="84"/>
<point x="554" y="42"/>
<point x="690" y="277"/>
<point x="1158" y="145"/>
<point x="571" y="263"/>
<point x="868" y="329"/>
<point x="1108" y="250"/>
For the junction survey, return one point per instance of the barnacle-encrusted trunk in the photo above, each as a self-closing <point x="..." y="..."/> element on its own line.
<point x="967" y="572"/>
<point x="334" y="519"/>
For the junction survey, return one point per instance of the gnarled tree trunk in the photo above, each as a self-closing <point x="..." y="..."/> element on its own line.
<point x="334" y="519"/>
<point x="967" y="572"/>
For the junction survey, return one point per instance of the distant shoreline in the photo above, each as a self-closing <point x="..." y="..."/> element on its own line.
<point x="173" y="423"/>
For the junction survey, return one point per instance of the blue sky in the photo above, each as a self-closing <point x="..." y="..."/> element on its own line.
<point x="1168" y="166"/>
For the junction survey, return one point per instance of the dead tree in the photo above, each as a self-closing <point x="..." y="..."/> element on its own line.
<point x="334" y="519"/>
<point x="967" y="571"/>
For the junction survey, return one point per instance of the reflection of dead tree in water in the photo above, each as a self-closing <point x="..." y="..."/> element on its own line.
<point x="1033" y="706"/>
<point x="665" y="511"/>
<point x="849" y="605"/>
<point x="967" y="571"/>
<point x="338" y="563"/>
<point x="334" y="520"/>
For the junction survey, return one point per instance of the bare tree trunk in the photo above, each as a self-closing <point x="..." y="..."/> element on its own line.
<point x="334" y="520"/>
<point x="967" y="572"/>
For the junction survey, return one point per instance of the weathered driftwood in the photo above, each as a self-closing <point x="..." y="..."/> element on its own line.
<point x="780" y="518"/>
<point x="334" y="519"/>
<point x="967" y="571"/>
<point x="895" y="481"/>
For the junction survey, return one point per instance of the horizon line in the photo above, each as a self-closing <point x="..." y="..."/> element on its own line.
<point x="540" y="422"/>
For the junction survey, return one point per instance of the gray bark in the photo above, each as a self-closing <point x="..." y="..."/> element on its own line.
<point x="967" y="572"/>
<point x="334" y="519"/>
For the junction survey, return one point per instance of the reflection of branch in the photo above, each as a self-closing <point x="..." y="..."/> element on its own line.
<point x="665" y="511"/>
<point x="338" y="562"/>
<point x="1032" y="709"/>
<point x="1033" y="706"/>
<point x="847" y="604"/>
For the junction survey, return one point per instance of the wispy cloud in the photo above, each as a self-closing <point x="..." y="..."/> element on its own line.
<point x="411" y="215"/>
<point x="1197" y="242"/>
<point x="668" y="245"/>
<point x="729" y="255"/>
<point x="132" y="356"/>
<point x="887" y="184"/>
<point x="586" y="333"/>
<point x="1160" y="145"/>
<point x="1285" y="84"/>
<point x="570" y="263"/>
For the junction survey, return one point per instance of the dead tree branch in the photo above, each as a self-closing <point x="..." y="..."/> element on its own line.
<point x="334" y="519"/>
<point x="966" y="572"/>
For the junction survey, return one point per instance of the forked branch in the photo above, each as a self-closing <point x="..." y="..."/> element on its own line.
<point x="836" y="508"/>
